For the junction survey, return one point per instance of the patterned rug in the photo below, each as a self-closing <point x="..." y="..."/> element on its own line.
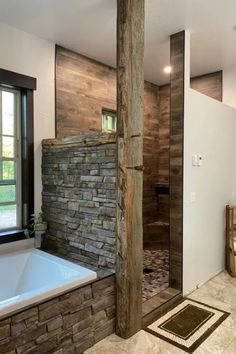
<point x="188" y="324"/>
<point x="155" y="272"/>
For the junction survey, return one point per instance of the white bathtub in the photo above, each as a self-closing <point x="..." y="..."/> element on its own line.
<point x="30" y="276"/>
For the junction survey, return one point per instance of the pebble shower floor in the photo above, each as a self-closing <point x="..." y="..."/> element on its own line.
<point x="156" y="272"/>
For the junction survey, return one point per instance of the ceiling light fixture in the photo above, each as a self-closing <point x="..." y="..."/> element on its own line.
<point x="167" y="69"/>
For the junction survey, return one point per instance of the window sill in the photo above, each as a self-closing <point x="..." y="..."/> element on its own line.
<point x="11" y="236"/>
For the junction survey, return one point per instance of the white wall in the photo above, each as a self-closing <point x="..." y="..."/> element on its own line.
<point x="210" y="128"/>
<point x="29" y="55"/>
<point x="229" y="86"/>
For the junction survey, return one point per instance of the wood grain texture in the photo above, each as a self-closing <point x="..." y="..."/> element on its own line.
<point x="150" y="152"/>
<point x="209" y="85"/>
<point x="82" y="140"/>
<point x="156" y="235"/>
<point x="158" y="300"/>
<point x="130" y="91"/>
<point x="177" y="44"/>
<point x="164" y="149"/>
<point x="83" y="88"/>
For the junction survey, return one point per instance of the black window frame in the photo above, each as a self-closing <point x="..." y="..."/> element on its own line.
<point x="26" y="85"/>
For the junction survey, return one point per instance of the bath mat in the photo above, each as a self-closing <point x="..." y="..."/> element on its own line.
<point x="188" y="324"/>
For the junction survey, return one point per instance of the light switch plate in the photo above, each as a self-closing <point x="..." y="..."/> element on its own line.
<point x="194" y="160"/>
<point x="199" y="159"/>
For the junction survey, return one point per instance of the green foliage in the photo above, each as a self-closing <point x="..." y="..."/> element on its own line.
<point x="8" y="170"/>
<point x="7" y="194"/>
<point x="34" y="223"/>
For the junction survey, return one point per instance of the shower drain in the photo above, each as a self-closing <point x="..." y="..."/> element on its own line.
<point x="147" y="270"/>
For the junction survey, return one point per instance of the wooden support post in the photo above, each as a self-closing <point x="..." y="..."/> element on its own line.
<point x="130" y="87"/>
<point x="177" y="60"/>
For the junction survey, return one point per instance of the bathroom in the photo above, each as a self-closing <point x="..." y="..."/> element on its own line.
<point x="67" y="167"/>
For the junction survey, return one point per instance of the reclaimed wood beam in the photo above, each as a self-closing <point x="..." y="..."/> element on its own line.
<point x="130" y="88"/>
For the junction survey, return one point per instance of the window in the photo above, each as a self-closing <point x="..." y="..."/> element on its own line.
<point x="108" y="120"/>
<point x="10" y="160"/>
<point x="16" y="154"/>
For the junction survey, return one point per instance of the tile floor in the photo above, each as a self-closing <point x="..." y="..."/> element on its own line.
<point x="157" y="280"/>
<point x="219" y="292"/>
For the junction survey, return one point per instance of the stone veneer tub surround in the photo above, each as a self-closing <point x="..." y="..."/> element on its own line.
<point x="79" y="176"/>
<point x="68" y="323"/>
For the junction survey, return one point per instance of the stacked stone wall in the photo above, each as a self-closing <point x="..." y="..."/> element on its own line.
<point x="79" y="197"/>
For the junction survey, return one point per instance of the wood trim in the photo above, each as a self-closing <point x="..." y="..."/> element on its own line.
<point x="11" y="78"/>
<point x="152" y="304"/>
<point x="21" y="82"/>
<point x="130" y="97"/>
<point x="11" y="236"/>
<point x="30" y="132"/>
<point x="55" y="88"/>
<point x="27" y="146"/>
<point x="221" y="94"/>
<point x="159" y="311"/>
<point x="177" y="60"/>
<point x="89" y="139"/>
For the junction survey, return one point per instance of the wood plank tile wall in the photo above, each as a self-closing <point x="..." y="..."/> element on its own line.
<point x="209" y="84"/>
<point x="177" y="55"/>
<point x="150" y="152"/>
<point x="83" y="88"/>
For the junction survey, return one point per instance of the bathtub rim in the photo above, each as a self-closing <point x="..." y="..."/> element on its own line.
<point x="53" y="293"/>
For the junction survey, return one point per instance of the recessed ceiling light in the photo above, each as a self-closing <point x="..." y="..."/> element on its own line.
<point x="167" y="69"/>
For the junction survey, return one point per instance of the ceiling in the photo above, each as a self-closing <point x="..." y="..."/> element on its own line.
<point x="89" y="27"/>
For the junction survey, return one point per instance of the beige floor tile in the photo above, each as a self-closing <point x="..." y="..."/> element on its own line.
<point x="211" y="301"/>
<point x="201" y="350"/>
<point x="166" y="348"/>
<point x="213" y="296"/>
<point x="223" y="278"/>
<point x="218" y="282"/>
<point x="144" y="343"/>
<point x="219" y="340"/>
<point x="230" y="322"/>
<point x="231" y="348"/>
<point x="105" y="347"/>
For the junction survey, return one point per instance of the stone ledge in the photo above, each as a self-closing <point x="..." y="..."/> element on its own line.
<point x="83" y="140"/>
